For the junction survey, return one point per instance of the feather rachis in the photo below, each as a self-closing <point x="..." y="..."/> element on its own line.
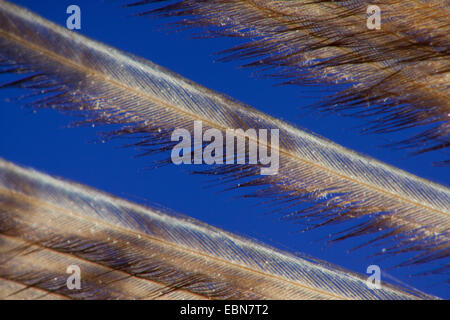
<point x="398" y="73"/>
<point x="127" y="251"/>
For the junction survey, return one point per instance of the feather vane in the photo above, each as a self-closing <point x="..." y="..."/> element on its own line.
<point x="69" y="72"/>
<point x="397" y="75"/>
<point x="127" y="251"/>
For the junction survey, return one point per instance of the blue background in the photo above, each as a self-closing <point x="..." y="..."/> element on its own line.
<point x="43" y="141"/>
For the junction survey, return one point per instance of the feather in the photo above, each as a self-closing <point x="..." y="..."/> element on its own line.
<point x="398" y="76"/>
<point x="126" y="251"/>
<point x="68" y="72"/>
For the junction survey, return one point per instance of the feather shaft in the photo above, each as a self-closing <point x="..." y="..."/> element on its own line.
<point x="398" y="75"/>
<point x="127" y="251"/>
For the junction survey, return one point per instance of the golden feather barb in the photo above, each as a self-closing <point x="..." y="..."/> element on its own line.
<point x="398" y="75"/>
<point x="126" y="251"/>
<point x="74" y="73"/>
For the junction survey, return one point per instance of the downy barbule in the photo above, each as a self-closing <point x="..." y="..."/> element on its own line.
<point x="68" y="72"/>
<point x="397" y="74"/>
